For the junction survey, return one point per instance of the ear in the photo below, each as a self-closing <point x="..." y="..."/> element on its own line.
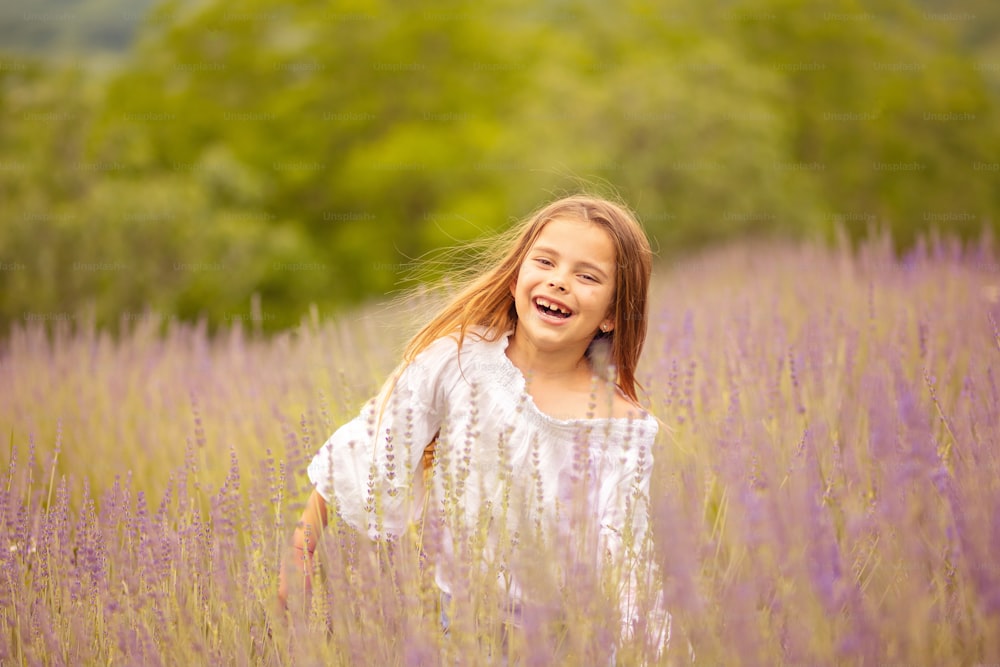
<point x="608" y="323"/>
<point x="512" y="285"/>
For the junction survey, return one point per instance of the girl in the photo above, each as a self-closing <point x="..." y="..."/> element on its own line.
<point x="521" y="394"/>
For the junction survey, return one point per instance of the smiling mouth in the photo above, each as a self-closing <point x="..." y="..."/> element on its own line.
<point x="552" y="309"/>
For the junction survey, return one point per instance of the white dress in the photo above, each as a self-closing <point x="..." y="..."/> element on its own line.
<point x="580" y="485"/>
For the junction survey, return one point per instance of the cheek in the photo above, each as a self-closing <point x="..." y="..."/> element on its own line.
<point x="609" y="300"/>
<point x="523" y="281"/>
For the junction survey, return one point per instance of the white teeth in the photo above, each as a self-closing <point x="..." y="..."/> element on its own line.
<point x="545" y="303"/>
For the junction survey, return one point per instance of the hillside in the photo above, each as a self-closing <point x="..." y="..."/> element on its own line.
<point x="45" y="27"/>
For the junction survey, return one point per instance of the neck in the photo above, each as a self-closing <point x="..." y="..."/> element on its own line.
<point x="546" y="363"/>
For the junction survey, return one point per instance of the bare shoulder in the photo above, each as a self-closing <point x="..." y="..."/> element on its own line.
<point x="611" y="402"/>
<point x="623" y="408"/>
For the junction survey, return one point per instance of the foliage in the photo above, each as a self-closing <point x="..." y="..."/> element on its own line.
<point x="826" y="492"/>
<point x="248" y="162"/>
<point x="884" y="109"/>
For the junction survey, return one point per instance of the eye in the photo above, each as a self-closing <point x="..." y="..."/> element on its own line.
<point x="543" y="261"/>
<point x="588" y="277"/>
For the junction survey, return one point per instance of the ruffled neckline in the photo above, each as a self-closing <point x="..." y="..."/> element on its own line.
<point x="513" y="379"/>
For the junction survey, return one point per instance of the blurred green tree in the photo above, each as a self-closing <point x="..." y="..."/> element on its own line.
<point x="309" y="153"/>
<point x="897" y="122"/>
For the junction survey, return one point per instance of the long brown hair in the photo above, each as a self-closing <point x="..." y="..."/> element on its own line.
<point x="486" y="300"/>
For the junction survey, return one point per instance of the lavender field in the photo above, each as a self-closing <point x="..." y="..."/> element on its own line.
<point x="827" y="493"/>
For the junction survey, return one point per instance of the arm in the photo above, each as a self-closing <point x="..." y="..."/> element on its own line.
<point x="299" y="556"/>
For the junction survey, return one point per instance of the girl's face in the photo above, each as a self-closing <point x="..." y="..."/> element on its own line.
<point x="565" y="285"/>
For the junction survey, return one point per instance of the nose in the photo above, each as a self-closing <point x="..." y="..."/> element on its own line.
<point x="558" y="284"/>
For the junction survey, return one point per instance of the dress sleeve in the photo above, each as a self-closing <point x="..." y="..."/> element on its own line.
<point x="365" y="471"/>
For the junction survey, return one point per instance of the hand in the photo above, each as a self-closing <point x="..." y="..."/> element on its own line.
<point x="300" y="555"/>
<point x="298" y="559"/>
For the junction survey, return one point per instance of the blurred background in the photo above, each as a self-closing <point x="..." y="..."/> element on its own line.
<point x="237" y="163"/>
